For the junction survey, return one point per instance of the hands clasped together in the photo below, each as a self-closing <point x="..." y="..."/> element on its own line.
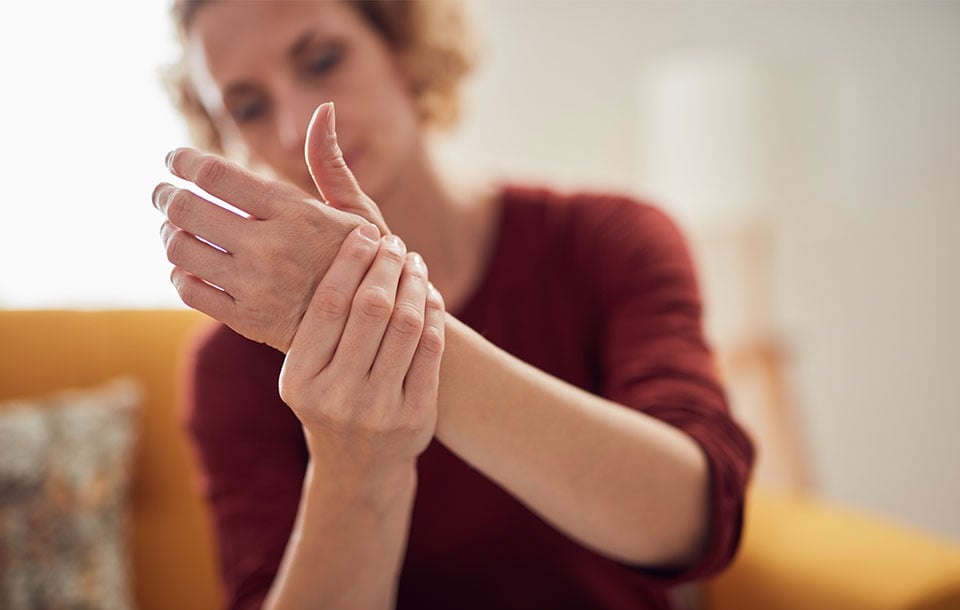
<point x="362" y="327"/>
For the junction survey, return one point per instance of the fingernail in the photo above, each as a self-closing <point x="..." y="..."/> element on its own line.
<point x="155" y="197"/>
<point x="370" y="232"/>
<point x="417" y="260"/>
<point x="331" y="122"/>
<point x="396" y="241"/>
<point x="169" y="160"/>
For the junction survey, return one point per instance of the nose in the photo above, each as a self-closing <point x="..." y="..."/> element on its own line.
<point x="292" y="117"/>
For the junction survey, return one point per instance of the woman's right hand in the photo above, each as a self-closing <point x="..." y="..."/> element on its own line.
<point x="256" y="273"/>
<point x="362" y="372"/>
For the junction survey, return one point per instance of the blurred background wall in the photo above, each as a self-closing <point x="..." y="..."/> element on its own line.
<point x="828" y="239"/>
<point x="862" y="218"/>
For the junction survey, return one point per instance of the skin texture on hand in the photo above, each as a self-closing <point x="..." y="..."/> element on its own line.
<point x="362" y="373"/>
<point x="265" y="268"/>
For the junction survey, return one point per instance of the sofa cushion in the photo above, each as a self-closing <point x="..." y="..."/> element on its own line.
<point x="65" y="471"/>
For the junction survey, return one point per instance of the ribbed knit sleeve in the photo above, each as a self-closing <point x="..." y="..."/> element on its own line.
<point x="655" y="358"/>
<point x="252" y="459"/>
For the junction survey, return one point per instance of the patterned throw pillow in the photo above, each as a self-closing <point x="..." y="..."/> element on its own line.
<point x="65" y="470"/>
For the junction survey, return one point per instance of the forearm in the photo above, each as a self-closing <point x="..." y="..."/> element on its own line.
<point x="347" y="545"/>
<point x="626" y="484"/>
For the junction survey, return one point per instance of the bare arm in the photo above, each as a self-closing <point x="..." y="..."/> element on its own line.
<point x="361" y="374"/>
<point x="562" y="451"/>
<point x="347" y="545"/>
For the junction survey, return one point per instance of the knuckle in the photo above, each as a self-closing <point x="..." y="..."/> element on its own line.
<point x="432" y="341"/>
<point x="178" y="207"/>
<point x="187" y="291"/>
<point x="330" y="303"/>
<point x="374" y="303"/>
<point x="334" y="158"/>
<point x="415" y="267"/>
<point x="407" y="321"/>
<point x="192" y="298"/>
<point x="188" y="296"/>
<point x="176" y="247"/>
<point x="210" y="172"/>
<point x="394" y="256"/>
<point x="359" y="251"/>
<point x="435" y="304"/>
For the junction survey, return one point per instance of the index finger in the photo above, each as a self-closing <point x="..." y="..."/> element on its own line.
<point x="229" y="181"/>
<point x="316" y="339"/>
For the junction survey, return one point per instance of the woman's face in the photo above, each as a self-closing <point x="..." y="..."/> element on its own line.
<point x="262" y="68"/>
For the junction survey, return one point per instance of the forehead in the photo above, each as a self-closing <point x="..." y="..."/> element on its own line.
<point x="232" y="41"/>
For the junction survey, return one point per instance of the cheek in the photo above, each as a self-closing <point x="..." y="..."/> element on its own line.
<point x="404" y="124"/>
<point x="396" y="140"/>
<point x="387" y="122"/>
<point x="390" y="97"/>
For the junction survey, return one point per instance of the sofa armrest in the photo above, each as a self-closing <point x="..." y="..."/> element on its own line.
<point x="799" y="553"/>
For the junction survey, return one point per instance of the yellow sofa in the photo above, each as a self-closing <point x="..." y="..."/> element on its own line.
<point x="798" y="552"/>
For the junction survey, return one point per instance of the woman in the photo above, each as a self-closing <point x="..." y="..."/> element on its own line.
<point x="557" y="441"/>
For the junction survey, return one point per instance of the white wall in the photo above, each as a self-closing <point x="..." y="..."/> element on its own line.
<point x="84" y="128"/>
<point x="867" y="289"/>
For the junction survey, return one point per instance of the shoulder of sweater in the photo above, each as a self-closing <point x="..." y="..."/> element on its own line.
<point x="583" y="205"/>
<point x="591" y="214"/>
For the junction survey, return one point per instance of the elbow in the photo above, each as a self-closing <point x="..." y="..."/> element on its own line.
<point x="686" y="541"/>
<point x="681" y="537"/>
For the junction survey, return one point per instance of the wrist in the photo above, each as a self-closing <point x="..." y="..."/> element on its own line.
<point x="373" y="485"/>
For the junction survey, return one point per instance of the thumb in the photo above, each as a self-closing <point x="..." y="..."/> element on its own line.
<point x="336" y="183"/>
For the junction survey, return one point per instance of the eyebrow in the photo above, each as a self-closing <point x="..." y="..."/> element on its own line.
<point x="296" y="49"/>
<point x="301" y="43"/>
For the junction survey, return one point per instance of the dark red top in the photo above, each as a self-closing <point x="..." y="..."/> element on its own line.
<point x="597" y="290"/>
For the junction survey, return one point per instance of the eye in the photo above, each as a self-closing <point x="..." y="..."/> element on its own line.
<point x="246" y="110"/>
<point x="323" y="60"/>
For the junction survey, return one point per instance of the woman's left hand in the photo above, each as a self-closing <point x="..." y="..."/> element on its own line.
<point x="362" y="374"/>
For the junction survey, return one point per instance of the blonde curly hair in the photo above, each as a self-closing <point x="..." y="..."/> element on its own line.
<point x="431" y="38"/>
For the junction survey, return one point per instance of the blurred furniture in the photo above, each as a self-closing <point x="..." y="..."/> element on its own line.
<point x="756" y="376"/>
<point x="755" y="360"/>
<point x="798" y="552"/>
<point x="44" y="351"/>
